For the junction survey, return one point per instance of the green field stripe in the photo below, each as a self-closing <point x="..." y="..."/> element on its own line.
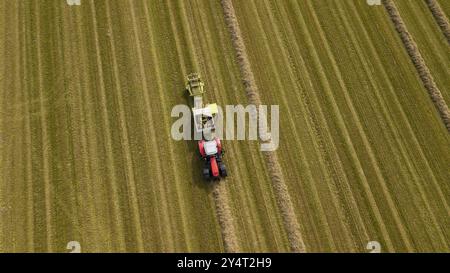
<point x="116" y="221"/>
<point x="3" y="31"/>
<point x="18" y="206"/>
<point x="130" y="178"/>
<point x="11" y="138"/>
<point x="44" y="132"/>
<point x="28" y="138"/>
<point x="181" y="208"/>
<point x="427" y="139"/>
<point x="96" y="231"/>
<point x="31" y="114"/>
<point x="98" y="141"/>
<point x="150" y="120"/>
<point x="68" y="133"/>
<point x="357" y="54"/>
<point x="76" y="128"/>
<point x="68" y="146"/>
<point x="176" y="193"/>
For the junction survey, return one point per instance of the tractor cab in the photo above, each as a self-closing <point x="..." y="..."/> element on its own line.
<point x="210" y="147"/>
<point x="211" y="151"/>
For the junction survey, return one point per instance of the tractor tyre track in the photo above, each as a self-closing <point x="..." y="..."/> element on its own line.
<point x="225" y="218"/>
<point x="45" y="137"/>
<point x="27" y="129"/>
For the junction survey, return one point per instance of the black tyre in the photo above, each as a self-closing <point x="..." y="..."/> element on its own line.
<point x="223" y="170"/>
<point x="206" y="174"/>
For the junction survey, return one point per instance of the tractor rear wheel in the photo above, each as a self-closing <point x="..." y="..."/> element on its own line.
<point x="223" y="170"/>
<point x="206" y="174"/>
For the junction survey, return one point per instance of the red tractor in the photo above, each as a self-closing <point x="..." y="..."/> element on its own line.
<point x="209" y="146"/>
<point x="211" y="152"/>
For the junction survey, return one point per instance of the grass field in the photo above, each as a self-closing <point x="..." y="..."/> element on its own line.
<point x="86" y="152"/>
